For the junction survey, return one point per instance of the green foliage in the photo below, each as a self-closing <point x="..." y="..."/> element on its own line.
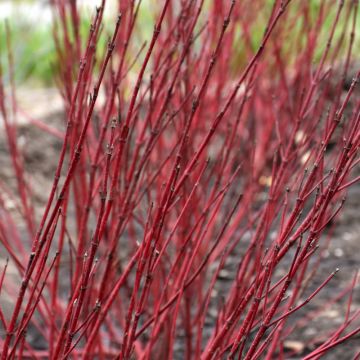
<point x="33" y="51"/>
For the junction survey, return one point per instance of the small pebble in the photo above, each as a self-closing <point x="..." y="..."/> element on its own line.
<point x="339" y="252"/>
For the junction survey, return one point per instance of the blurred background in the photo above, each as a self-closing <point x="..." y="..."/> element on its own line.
<point x="27" y="27"/>
<point x="31" y="25"/>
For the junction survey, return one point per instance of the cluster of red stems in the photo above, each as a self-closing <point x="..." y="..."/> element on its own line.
<point x="197" y="148"/>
